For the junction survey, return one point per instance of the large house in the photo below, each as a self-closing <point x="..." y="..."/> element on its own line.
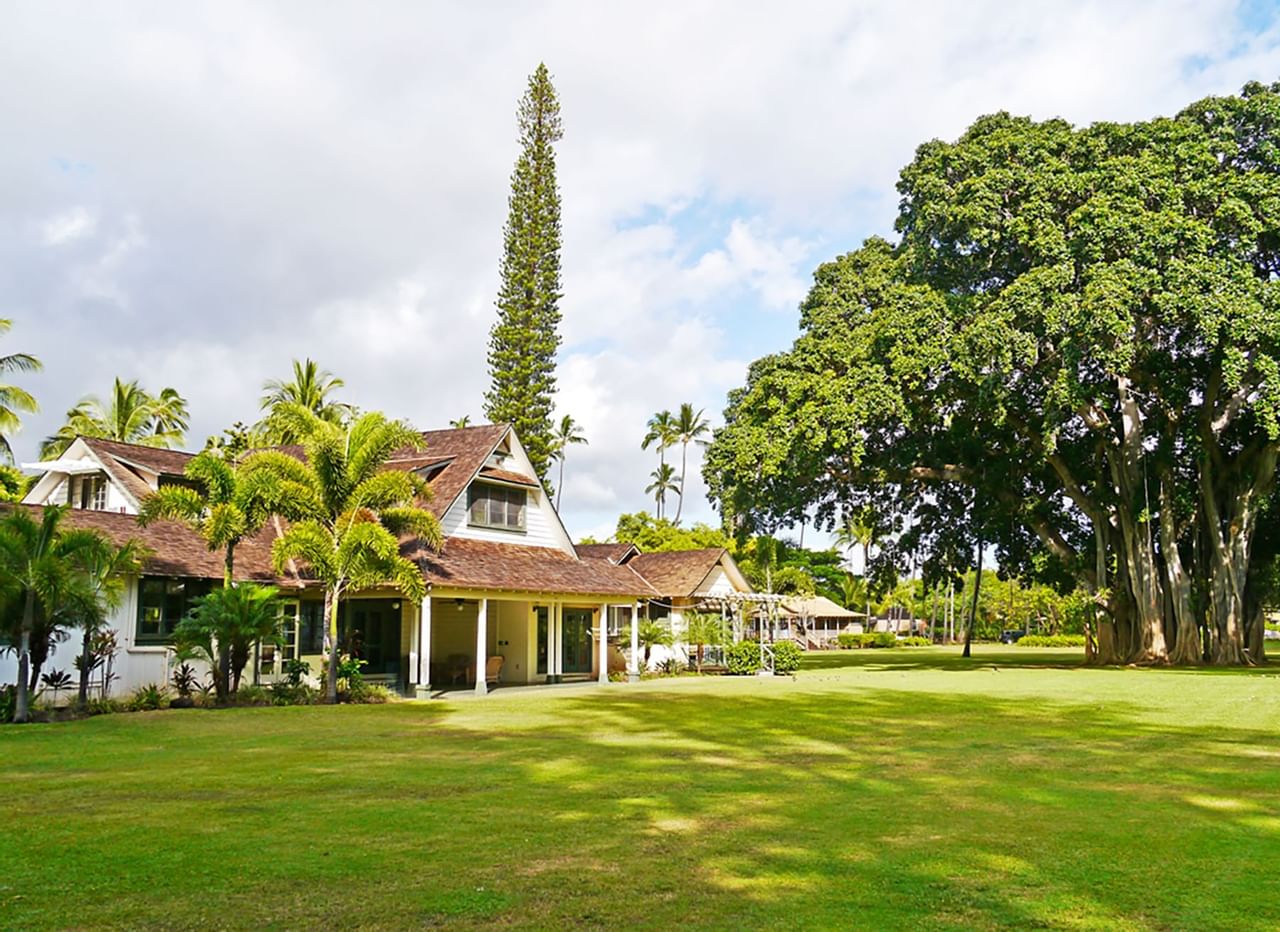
<point x="508" y="582"/>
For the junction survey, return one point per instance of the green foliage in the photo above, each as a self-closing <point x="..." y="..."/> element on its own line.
<point x="309" y="388"/>
<point x="849" y="640"/>
<point x="362" y="693"/>
<point x="705" y="629"/>
<point x="288" y="693"/>
<point x="1076" y="328"/>
<point x="133" y="415"/>
<point x="653" y="633"/>
<point x="1051" y="640"/>
<point x="13" y="483"/>
<point x="14" y="401"/>
<point x="786" y="656"/>
<point x="743" y="658"/>
<point x="184" y="680"/>
<point x="251" y="695"/>
<point x="8" y="698"/>
<point x="103" y="705"/>
<point x="348" y="513"/>
<point x="222" y="628"/>
<point x="296" y="670"/>
<point x="523" y="342"/>
<point x="653" y="535"/>
<point x="148" y="698"/>
<point x="568" y="433"/>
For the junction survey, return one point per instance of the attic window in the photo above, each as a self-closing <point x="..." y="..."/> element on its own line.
<point x="496" y="506"/>
<point x="87" y="491"/>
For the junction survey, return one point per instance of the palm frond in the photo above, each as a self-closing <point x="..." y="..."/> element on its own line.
<point x="174" y="503"/>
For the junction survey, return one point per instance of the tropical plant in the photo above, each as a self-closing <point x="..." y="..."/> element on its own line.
<point x="786" y="656"/>
<point x="237" y="440"/>
<point x="348" y="513"/>
<point x="703" y="630"/>
<point x="567" y="433"/>
<point x="14" y="401"/>
<point x="863" y="528"/>
<point x="652" y="534"/>
<point x="132" y="415"/>
<point x="459" y="423"/>
<point x="222" y="627"/>
<point x="689" y="427"/>
<point x="664" y="482"/>
<point x="184" y="680"/>
<point x="105" y="571"/>
<point x="526" y="335"/>
<point x="653" y="632"/>
<point x="309" y="388"/>
<point x="56" y="680"/>
<point x="13" y="483"/>
<point x="41" y="583"/>
<point x="660" y="433"/>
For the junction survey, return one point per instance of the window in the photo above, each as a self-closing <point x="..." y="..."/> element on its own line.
<point x="311" y="625"/>
<point x="497" y="506"/>
<point x="162" y="603"/>
<point x="88" y="492"/>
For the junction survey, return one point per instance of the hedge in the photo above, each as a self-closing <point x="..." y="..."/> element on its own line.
<point x="879" y="639"/>
<point x="1051" y="640"/>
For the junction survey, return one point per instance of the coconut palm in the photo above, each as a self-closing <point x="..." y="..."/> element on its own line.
<point x="461" y="422"/>
<point x="41" y="582"/>
<point x="661" y="433"/>
<point x="664" y="481"/>
<point x="703" y="630"/>
<point x="309" y="388"/>
<point x="566" y="434"/>
<point x="689" y="428"/>
<point x="348" y="513"/>
<point x="13" y="400"/>
<point x="132" y="415"/>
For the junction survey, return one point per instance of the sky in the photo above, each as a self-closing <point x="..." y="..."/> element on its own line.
<point x="193" y="195"/>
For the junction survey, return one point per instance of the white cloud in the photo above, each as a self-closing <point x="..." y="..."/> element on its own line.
<point x="246" y="189"/>
<point x="67" y="227"/>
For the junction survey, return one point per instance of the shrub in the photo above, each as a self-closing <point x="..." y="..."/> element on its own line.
<point x="293" y="694"/>
<point x="1051" y="640"/>
<point x="786" y="657"/>
<point x="296" y="669"/>
<point x="848" y="641"/>
<point x="672" y="666"/>
<point x="369" y="694"/>
<point x="743" y="658"/>
<point x="251" y="696"/>
<point x="148" y="698"/>
<point x="7" y="697"/>
<point x="102" y="705"/>
<point x="914" y="641"/>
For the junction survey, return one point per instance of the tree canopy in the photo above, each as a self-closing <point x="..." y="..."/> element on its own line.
<point x="1071" y="351"/>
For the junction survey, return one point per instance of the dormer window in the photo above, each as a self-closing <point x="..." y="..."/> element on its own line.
<point x="88" y="491"/>
<point x="496" y="506"/>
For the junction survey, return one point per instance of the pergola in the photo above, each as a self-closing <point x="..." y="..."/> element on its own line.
<point x="733" y="607"/>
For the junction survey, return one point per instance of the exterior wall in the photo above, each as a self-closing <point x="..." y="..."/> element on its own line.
<point x="542" y="528"/>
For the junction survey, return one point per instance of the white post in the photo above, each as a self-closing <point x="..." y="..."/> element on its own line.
<point x="424" y="649"/>
<point x="555" y="658"/>
<point x="482" y="645"/>
<point x="603" y="647"/>
<point x="633" y="667"/>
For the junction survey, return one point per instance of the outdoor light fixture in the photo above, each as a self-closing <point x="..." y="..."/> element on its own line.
<point x="458" y="603"/>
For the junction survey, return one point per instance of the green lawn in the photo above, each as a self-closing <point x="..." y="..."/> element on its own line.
<point x="888" y="789"/>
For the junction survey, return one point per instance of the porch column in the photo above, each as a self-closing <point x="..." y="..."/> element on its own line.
<point x="603" y="646"/>
<point x="633" y="665"/>
<point x="482" y="645"/>
<point x="555" y="647"/>
<point x="424" y="649"/>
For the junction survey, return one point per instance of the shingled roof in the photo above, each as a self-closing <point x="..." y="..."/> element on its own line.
<point x="464" y="448"/>
<point x="677" y="573"/>
<point x="614" y="553"/>
<point x="154" y="459"/>
<point x="177" y="550"/>
<point x="478" y="564"/>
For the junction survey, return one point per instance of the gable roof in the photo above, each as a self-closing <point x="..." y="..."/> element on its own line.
<point x="464" y="563"/>
<point x="153" y="459"/>
<point x="677" y="573"/>
<point x="614" y="553"/>
<point x="462" y="449"/>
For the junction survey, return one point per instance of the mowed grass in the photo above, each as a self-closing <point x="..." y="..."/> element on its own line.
<point x="876" y="789"/>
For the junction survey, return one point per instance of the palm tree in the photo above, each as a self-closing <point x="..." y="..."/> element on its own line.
<point x="566" y="435"/>
<point x="14" y="400"/>
<point x="702" y="630"/>
<point x="664" y="481"/>
<point x="223" y="627"/>
<point x="133" y="415"/>
<point x="41" y="581"/>
<point x="862" y="528"/>
<point x="460" y="422"/>
<point x="309" y="388"/>
<point x="105" y="569"/>
<point x="689" y="428"/>
<point x="662" y="432"/>
<point x="348" y="512"/>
